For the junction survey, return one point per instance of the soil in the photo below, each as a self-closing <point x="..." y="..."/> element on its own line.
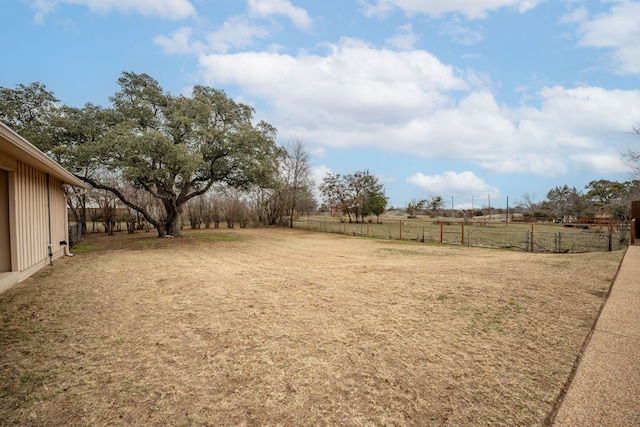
<point x="283" y="327"/>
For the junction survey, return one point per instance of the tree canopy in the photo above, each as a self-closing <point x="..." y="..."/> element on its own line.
<point x="177" y="147"/>
<point x="357" y="194"/>
<point x="28" y="110"/>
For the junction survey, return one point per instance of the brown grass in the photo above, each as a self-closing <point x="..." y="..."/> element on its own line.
<point x="279" y="327"/>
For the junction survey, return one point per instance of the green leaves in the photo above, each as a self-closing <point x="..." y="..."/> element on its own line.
<point x="27" y="110"/>
<point x="352" y="193"/>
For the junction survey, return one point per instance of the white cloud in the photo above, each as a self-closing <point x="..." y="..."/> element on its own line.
<point x="451" y="183"/>
<point x="179" y="43"/>
<point x="267" y="8"/>
<point x="590" y="110"/>
<point x="42" y="9"/>
<point x="617" y="29"/>
<point x="167" y="9"/>
<point x="461" y="33"/>
<point x="318" y="173"/>
<point x="385" y="179"/>
<point x="405" y="39"/>
<point x="571" y="129"/>
<point x="353" y="84"/>
<point x="237" y="32"/>
<point x="576" y="16"/>
<point x="604" y="162"/>
<point x="471" y="9"/>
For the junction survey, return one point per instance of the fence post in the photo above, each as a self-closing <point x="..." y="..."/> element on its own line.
<point x="610" y="237"/>
<point x="441" y="231"/>
<point x="558" y="242"/>
<point x="531" y="237"/>
<point x="400" y="223"/>
<point x="528" y="242"/>
<point x="462" y="234"/>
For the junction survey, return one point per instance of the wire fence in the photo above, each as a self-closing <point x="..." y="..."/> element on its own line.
<point x="524" y="237"/>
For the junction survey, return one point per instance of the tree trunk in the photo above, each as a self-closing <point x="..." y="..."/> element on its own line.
<point x="293" y="211"/>
<point x="173" y="227"/>
<point x="173" y="223"/>
<point x="83" y="212"/>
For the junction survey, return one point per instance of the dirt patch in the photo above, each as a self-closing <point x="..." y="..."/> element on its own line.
<point x="281" y="327"/>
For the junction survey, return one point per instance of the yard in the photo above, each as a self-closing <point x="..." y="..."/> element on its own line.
<point x="285" y="327"/>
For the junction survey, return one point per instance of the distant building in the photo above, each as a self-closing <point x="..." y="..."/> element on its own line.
<point x="33" y="208"/>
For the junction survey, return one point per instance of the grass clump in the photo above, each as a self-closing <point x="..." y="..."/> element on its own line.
<point x="87" y="247"/>
<point x="211" y="237"/>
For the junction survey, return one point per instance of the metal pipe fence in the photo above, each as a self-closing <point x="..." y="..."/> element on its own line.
<point x="528" y="238"/>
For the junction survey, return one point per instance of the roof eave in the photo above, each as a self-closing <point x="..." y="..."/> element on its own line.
<point x="23" y="150"/>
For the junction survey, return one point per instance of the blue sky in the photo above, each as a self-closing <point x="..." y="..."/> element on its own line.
<point x="470" y="100"/>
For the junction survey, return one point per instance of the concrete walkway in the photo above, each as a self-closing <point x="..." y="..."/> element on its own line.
<point x="605" y="390"/>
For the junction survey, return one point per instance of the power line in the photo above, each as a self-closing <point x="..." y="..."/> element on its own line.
<point x="590" y="64"/>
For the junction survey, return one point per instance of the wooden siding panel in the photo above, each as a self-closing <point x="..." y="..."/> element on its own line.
<point x="32" y="213"/>
<point x="19" y="218"/>
<point x="59" y="226"/>
<point x="30" y="226"/>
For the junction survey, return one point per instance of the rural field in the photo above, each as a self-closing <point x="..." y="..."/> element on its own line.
<point x="281" y="327"/>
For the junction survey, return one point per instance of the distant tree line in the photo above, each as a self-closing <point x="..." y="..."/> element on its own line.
<point x="600" y="199"/>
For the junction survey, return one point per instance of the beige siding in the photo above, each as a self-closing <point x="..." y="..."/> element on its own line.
<point x="32" y="216"/>
<point x="36" y="205"/>
<point x="59" y="223"/>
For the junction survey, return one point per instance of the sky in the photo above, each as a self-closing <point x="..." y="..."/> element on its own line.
<point x="476" y="101"/>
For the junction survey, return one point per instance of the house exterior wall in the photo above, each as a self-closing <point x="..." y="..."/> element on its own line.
<point x="5" y="230"/>
<point x="35" y="200"/>
<point x="36" y="204"/>
<point x="37" y="217"/>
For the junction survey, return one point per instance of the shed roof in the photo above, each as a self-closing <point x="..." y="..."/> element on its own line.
<point x="21" y="149"/>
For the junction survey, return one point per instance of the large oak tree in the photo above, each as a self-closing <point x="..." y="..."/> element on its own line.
<point x="177" y="147"/>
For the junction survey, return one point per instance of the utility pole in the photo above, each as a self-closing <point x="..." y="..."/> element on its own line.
<point x="506" y="221"/>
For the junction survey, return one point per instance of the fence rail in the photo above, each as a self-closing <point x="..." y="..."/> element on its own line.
<point x="528" y="238"/>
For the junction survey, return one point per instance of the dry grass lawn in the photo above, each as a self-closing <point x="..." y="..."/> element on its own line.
<point x="280" y="327"/>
